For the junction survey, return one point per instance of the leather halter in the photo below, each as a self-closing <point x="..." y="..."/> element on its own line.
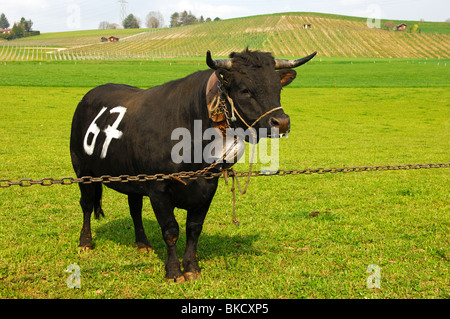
<point x="216" y="101"/>
<point x="216" y="104"/>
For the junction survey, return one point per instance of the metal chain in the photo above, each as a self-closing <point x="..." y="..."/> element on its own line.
<point x="205" y="173"/>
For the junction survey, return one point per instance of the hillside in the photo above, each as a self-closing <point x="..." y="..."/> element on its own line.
<point x="283" y="34"/>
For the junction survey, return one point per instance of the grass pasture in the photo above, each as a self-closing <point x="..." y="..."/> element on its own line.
<point x="300" y="236"/>
<point x="320" y="73"/>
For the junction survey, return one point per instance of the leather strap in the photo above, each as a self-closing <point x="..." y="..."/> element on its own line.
<point x="212" y="100"/>
<point x="212" y="94"/>
<point x="217" y="113"/>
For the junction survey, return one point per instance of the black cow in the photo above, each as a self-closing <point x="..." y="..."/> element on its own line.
<point x="123" y="130"/>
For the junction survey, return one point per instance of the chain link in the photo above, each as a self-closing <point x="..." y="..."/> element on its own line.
<point x="206" y="174"/>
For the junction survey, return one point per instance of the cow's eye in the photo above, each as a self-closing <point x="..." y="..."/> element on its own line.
<point x="246" y="92"/>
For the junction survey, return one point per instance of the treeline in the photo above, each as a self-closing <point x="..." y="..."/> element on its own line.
<point x="179" y="19"/>
<point x="154" y="19"/>
<point x="19" y="30"/>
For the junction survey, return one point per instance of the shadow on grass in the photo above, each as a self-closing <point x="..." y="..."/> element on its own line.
<point x="121" y="231"/>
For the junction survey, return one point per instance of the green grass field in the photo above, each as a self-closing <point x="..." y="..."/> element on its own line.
<point x="320" y="73"/>
<point x="300" y="236"/>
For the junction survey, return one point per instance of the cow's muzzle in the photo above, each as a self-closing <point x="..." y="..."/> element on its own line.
<point x="282" y="123"/>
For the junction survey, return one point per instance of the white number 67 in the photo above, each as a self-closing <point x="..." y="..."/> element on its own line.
<point x="110" y="131"/>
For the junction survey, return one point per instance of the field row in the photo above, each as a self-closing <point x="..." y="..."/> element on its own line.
<point x="283" y="35"/>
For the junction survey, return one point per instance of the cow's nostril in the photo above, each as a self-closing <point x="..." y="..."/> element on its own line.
<point x="280" y="123"/>
<point x="274" y="122"/>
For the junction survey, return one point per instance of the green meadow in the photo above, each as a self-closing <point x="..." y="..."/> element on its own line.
<point x="321" y="72"/>
<point x="299" y="236"/>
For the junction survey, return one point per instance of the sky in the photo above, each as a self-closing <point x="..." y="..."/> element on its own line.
<point x="71" y="15"/>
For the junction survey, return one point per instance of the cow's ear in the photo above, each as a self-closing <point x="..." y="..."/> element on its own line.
<point x="224" y="77"/>
<point x="287" y="76"/>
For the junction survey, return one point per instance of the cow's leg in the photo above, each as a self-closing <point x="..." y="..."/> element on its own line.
<point x="194" y="225"/>
<point x="89" y="199"/>
<point x="98" y="211"/>
<point x="135" y="203"/>
<point x="164" y="214"/>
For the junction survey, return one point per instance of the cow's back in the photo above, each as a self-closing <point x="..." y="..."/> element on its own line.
<point x="109" y="93"/>
<point x="99" y="125"/>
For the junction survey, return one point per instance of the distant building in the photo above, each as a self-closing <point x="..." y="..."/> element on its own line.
<point x="401" y="27"/>
<point x="5" y="31"/>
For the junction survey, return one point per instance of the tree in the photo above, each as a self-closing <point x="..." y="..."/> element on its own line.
<point x="187" y="18"/>
<point x="106" y="25"/>
<point x="103" y="25"/>
<point x="4" y="24"/>
<point x="178" y="19"/>
<point x="175" y="20"/>
<point x="182" y="18"/>
<point x="17" y="31"/>
<point x="131" y="22"/>
<point x="154" y="20"/>
<point x="389" y="25"/>
<point x="26" y="24"/>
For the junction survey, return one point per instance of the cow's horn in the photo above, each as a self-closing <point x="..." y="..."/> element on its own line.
<point x="285" y="64"/>
<point x="216" y="64"/>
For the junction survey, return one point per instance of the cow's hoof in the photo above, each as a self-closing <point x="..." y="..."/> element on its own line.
<point x="144" y="248"/>
<point x="188" y="276"/>
<point x="178" y="280"/>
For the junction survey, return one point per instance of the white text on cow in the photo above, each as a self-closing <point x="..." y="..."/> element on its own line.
<point x="110" y="131"/>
